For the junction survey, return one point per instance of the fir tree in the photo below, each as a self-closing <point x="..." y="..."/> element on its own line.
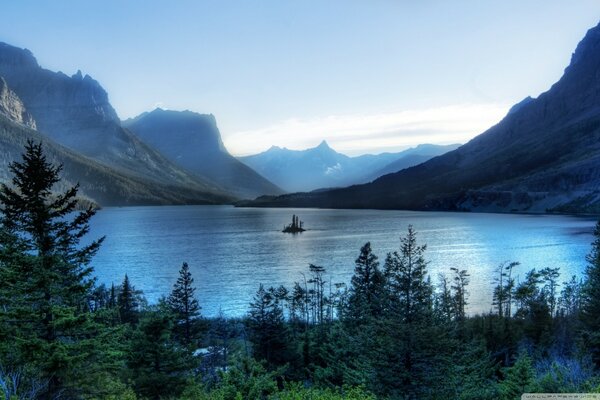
<point x="45" y="271"/>
<point x="590" y="307"/>
<point x="184" y="305"/>
<point x="268" y="331"/>
<point x="519" y="379"/>
<point x="406" y="274"/>
<point x="367" y="288"/>
<point x="128" y="302"/>
<point x="158" y="366"/>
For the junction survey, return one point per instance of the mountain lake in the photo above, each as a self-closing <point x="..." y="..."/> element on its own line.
<point x="231" y="250"/>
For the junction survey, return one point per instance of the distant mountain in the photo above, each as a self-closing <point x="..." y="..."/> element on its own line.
<point x="543" y="156"/>
<point x="411" y="157"/>
<point x="193" y="142"/>
<point x="75" y="112"/>
<point x="323" y="167"/>
<point x="98" y="183"/>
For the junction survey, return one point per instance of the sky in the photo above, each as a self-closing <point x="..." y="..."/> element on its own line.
<point x="367" y="76"/>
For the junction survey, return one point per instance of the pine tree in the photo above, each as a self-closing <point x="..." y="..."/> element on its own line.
<point x="45" y="271"/>
<point x="406" y="274"/>
<point x="519" y="379"/>
<point x="410" y="345"/>
<point x="367" y="288"/>
<point x="268" y="331"/>
<point x="184" y="305"/>
<point x="157" y="365"/>
<point x="590" y="307"/>
<point x="128" y="302"/>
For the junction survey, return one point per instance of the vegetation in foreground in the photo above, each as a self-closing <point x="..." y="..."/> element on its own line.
<point x="392" y="333"/>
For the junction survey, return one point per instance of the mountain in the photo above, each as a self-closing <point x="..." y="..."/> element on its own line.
<point x="12" y="107"/>
<point x="543" y="156"/>
<point x="411" y="157"/>
<point x="74" y="111"/>
<point x="323" y="167"/>
<point x="98" y="183"/>
<point x="193" y="142"/>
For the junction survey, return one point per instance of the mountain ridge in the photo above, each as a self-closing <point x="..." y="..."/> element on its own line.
<point x="193" y="142"/>
<point x="543" y="156"/>
<point x="75" y="112"/>
<point x="321" y="166"/>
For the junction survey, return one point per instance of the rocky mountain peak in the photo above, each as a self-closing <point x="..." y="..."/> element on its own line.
<point x="588" y="48"/>
<point x="12" y="107"/>
<point x="14" y="57"/>
<point x="323" y="145"/>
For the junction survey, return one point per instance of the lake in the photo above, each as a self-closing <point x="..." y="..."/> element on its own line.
<point x="231" y="250"/>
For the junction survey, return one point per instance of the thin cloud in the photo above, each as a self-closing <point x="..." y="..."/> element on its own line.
<point x="358" y="134"/>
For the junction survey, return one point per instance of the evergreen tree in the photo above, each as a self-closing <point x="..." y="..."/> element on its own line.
<point x="406" y="275"/>
<point x="128" y="302"/>
<point x="158" y="367"/>
<point x="590" y="307"/>
<point x="45" y="271"/>
<point x="410" y="345"/>
<point x="519" y="379"/>
<point x="268" y="331"/>
<point x="365" y="300"/>
<point x="184" y="305"/>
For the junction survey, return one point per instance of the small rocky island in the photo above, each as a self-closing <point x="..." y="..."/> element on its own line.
<point x="295" y="227"/>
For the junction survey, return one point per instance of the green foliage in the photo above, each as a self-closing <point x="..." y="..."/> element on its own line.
<point x="184" y="306"/>
<point x="366" y="297"/>
<point x="128" y="302"/>
<point x="297" y="392"/>
<point x="519" y="379"/>
<point x="45" y="274"/>
<point x="590" y="307"/>
<point x="157" y="365"/>
<point x="267" y="329"/>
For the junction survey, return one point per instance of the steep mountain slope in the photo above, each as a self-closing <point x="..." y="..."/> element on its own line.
<point x="98" y="182"/>
<point x="193" y="142"/>
<point x="75" y="112"/>
<point x="322" y="167"/>
<point x="411" y="157"/>
<point x="544" y="155"/>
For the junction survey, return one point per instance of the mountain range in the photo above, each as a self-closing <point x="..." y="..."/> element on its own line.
<point x="99" y="183"/>
<point x="193" y="142"/>
<point x="323" y="167"/>
<point x="75" y="113"/>
<point x="544" y="156"/>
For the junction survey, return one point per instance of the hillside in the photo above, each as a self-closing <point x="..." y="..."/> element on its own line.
<point x="543" y="156"/>
<point x="75" y="111"/>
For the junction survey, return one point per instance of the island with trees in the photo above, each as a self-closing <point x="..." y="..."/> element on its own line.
<point x="296" y="226"/>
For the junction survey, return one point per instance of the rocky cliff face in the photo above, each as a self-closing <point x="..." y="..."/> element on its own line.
<point x="12" y="107"/>
<point x="543" y="156"/>
<point x="75" y="112"/>
<point x="193" y="142"/>
<point x="72" y="110"/>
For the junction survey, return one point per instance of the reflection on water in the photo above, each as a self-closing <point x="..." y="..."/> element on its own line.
<point x="231" y="250"/>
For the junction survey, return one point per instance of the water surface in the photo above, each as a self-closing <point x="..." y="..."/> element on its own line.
<point x="231" y="250"/>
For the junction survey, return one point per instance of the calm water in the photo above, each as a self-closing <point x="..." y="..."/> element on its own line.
<point x="231" y="250"/>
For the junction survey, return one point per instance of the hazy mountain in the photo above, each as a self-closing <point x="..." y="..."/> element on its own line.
<point x="193" y="142"/>
<point x="411" y="157"/>
<point x="323" y="167"/>
<point x="98" y="182"/>
<point x="75" y="112"/>
<point x="544" y="155"/>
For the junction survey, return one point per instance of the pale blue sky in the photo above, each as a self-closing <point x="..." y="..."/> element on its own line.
<point x="367" y="75"/>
